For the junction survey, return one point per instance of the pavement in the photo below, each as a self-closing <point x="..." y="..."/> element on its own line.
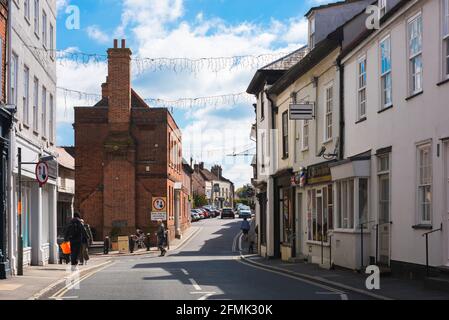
<point x="209" y="263"/>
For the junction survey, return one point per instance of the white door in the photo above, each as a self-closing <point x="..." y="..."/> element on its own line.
<point x="446" y="176"/>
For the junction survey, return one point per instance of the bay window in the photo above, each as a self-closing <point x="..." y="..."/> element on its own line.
<point x="386" y="85"/>
<point x="415" y="31"/>
<point x="352" y="203"/>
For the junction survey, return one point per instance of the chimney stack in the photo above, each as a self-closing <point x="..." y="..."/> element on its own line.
<point x="118" y="87"/>
<point x="104" y="89"/>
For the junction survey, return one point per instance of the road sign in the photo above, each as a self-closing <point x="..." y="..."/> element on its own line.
<point x="42" y="173"/>
<point x="159" y="204"/>
<point x="302" y="111"/>
<point x="156" y="216"/>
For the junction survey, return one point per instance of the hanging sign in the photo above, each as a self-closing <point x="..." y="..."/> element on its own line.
<point x="42" y="173"/>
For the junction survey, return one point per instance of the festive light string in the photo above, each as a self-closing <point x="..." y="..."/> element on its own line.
<point x="177" y="65"/>
<point x="182" y="103"/>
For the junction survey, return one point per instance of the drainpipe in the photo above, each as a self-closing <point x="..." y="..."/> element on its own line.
<point x="316" y="83"/>
<point x="342" y="110"/>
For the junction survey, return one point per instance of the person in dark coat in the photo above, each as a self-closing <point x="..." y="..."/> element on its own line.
<point x="74" y="233"/>
<point x="161" y="237"/>
<point x="85" y="243"/>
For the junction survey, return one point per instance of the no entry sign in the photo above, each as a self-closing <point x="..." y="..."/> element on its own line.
<point x="42" y="173"/>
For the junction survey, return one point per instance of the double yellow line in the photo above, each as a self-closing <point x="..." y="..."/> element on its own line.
<point x="60" y="294"/>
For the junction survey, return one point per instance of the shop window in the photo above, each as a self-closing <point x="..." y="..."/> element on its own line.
<point x="320" y="211"/>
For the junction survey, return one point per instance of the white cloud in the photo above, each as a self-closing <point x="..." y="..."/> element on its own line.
<point x="157" y="28"/>
<point x="96" y="34"/>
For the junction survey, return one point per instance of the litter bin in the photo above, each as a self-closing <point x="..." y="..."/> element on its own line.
<point x="123" y="244"/>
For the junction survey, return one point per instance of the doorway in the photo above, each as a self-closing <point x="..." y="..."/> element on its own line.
<point x="298" y="225"/>
<point x="446" y="183"/>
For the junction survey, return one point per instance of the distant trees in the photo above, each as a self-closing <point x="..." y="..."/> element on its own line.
<point x="199" y="200"/>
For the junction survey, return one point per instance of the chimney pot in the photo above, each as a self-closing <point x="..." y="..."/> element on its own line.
<point x="115" y="43"/>
<point x="123" y="43"/>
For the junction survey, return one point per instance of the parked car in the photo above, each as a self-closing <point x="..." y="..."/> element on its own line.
<point x="209" y="212"/>
<point x="195" y="216"/>
<point x="205" y="213"/>
<point x="245" y="214"/>
<point x="227" y="213"/>
<point x="199" y="212"/>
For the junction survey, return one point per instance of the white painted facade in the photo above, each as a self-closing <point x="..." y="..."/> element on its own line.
<point x="415" y="128"/>
<point x="33" y="66"/>
<point x="306" y="139"/>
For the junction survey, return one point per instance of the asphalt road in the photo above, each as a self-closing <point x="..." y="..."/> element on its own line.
<point x="206" y="267"/>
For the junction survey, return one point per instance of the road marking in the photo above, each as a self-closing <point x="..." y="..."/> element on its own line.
<point x="185" y="272"/>
<point x="207" y="295"/>
<point x="291" y="277"/>
<point x="305" y="277"/>
<point x="195" y="284"/>
<point x="67" y="288"/>
<point x="342" y="295"/>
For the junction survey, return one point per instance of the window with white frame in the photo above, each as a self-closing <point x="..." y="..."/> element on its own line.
<point x="328" y="117"/>
<point x="382" y="7"/>
<point x="312" y="26"/>
<point x="44" y="111"/>
<point x="14" y="75"/>
<point x="51" y="122"/>
<point x="415" y="32"/>
<point x="44" y="28"/>
<point x="52" y="40"/>
<point x="36" y="104"/>
<point x="285" y="151"/>
<point x="361" y="88"/>
<point x="36" y="17"/>
<point x="26" y="9"/>
<point x="383" y="172"/>
<point x="320" y="210"/>
<point x="305" y="135"/>
<point x="445" y="39"/>
<point x="386" y="80"/>
<point x="424" y="192"/>
<point x="345" y="204"/>
<point x="26" y="94"/>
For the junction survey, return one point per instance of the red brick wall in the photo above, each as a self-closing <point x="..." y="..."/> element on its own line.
<point x="3" y="36"/>
<point x="122" y="158"/>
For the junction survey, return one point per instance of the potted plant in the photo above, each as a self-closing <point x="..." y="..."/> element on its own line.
<point x="114" y="234"/>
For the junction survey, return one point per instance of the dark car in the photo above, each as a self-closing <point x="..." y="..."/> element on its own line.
<point x="227" y="213"/>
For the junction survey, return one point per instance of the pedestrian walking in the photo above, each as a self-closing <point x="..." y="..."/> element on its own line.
<point x="74" y="233"/>
<point x="252" y="236"/>
<point x="85" y="243"/>
<point x="245" y="228"/>
<point x="161" y="237"/>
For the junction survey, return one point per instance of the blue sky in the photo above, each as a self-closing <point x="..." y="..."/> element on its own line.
<point x="183" y="28"/>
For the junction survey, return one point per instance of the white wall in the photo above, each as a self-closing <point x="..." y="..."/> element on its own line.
<point x="407" y="123"/>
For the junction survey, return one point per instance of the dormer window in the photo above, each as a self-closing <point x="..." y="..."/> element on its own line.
<point x="312" y="32"/>
<point x="382" y="7"/>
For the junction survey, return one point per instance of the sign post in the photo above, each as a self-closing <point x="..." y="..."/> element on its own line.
<point x="159" y="209"/>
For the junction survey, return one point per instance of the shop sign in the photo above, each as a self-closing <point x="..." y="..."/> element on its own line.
<point x="319" y="174"/>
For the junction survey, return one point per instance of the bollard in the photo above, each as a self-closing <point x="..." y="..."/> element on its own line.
<point x="106" y="245"/>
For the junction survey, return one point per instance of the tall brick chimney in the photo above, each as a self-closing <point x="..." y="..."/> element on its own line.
<point x="119" y="86"/>
<point x="217" y="171"/>
<point x="104" y="89"/>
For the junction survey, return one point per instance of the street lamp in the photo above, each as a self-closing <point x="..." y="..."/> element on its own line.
<point x="19" y="207"/>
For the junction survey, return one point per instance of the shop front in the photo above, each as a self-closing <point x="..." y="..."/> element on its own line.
<point x="5" y="124"/>
<point x="314" y="214"/>
<point x="284" y="226"/>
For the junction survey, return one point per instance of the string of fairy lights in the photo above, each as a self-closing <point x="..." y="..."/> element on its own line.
<point x="158" y="64"/>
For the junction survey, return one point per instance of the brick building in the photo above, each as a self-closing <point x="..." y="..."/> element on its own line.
<point x="126" y="154"/>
